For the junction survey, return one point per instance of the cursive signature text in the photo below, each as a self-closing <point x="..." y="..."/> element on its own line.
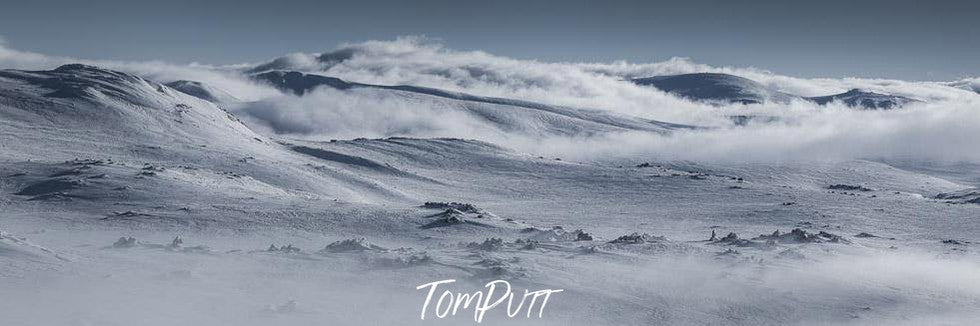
<point x="449" y="303"/>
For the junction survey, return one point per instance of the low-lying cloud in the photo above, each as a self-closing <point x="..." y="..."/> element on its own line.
<point x="942" y="127"/>
<point x="333" y="114"/>
<point x="927" y="132"/>
<point x="417" y="61"/>
<point x="228" y="77"/>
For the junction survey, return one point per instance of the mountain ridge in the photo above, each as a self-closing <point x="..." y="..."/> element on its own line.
<point x="718" y="88"/>
<point x="300" y="84"/>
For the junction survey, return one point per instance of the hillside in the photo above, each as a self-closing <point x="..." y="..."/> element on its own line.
<point x="714" y="87"/>
<point x="507" y="115"/>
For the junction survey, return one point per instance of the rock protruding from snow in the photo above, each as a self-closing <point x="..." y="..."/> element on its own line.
<point x="798" y="235"/>
<point x="494" y="267"/>
<point x="847" y="187"/>
<point x="287" y="249"/>
<point x="452" y="217"/>
<point x="557" y="233"/>
<point x="462" y="207"/>
<point x="955" y="242"/>
<point x="732" y="239"/>
<point x="352" y="245"/>
<point x="176" y="243"/>
<point x="125" y="242"/>
<point x="402" y="257"/>
<point x="638" y="238"/>
<point x="582" y="236"/>
<point x="490" y="244"/>
<point x="966" y="196"/>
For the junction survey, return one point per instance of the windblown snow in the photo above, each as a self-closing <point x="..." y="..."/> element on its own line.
<point x="323" y="188"/>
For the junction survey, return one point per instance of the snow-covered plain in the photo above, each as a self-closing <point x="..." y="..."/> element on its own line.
<point x="124" y="201"/>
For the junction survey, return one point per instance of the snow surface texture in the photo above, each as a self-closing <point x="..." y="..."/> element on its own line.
<point x="128" y="201"/>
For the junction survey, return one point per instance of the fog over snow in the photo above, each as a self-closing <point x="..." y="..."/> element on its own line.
<point x="940" y="127"/>
<point x="596" y="185"/>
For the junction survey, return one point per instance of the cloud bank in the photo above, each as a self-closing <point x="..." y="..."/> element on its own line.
<point x="940" y="128"/>
<point x="227" y="77"/>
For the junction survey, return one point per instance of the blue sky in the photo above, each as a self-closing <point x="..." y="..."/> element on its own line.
<point x="935" y="40"/>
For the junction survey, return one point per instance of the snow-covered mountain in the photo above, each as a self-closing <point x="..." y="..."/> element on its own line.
<point x="202" y="91"/>
<point x="299" y="83"/>
<point x="132" y="130"/>
<point x="509" y="115"/>
<point x="125" y="199"/>
<point x="725" y="89"/>
<point x="101" y="109"/>
<point x="715" y="87"/>
<point x="970" y="84"/>
<point x="866" y="100"/>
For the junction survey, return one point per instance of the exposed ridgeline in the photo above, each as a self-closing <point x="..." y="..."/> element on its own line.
<point x="323" y="61"/>
<point x="715" y="88"/>
<point x="969" y="84"/>
<point x="78" y="105"/>
<point x="99" y="137"/>
<point x="718" y="88"/>
<point x="508" y="115"/>
<point x="867" y="100"/>
<point x="299" y="83"/>
<point x="202" y="91"/>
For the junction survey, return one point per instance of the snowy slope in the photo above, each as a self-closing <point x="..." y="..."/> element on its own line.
<point x="202" y="91"/>
<point x="67" y="126"/>
<point x="714" y="87"/>
<point x="509" y="115"/>
<point x="125" y="200"/>
<point x="94" y="105"/>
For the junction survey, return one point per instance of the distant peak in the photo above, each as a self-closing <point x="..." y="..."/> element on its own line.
<point x="77" y="67"/>
<point x="699" y="76"/>
<point x="282" y="73"/>
<point x="336" y="56"/>
<point x="858" y="91"/>
<point x="202" y="91"/>
<point x="93" y="71"/>
<point x="864" y="99"/>
<point x="184" y="82"/>
<point x="81" y="81"/>
<point x="714" y="74"/>
<point x="714" y="88"/>
<point x="300" y="83"/>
